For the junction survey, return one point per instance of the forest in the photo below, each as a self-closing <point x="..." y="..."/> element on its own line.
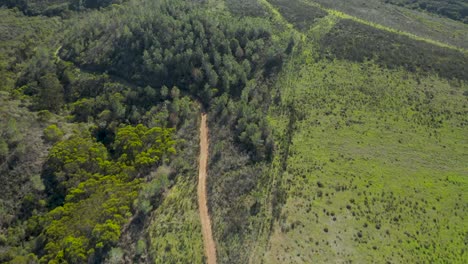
<point x="332" y="137"/>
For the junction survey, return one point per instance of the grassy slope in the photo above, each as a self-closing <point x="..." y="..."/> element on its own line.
<point x="174" y="231"/>
<point x="406" y="181"/>
<point x="372" y="174"/>
<point x="417" y="23"/>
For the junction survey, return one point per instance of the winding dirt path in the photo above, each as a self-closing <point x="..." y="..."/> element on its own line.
<point x="210" y="247"/>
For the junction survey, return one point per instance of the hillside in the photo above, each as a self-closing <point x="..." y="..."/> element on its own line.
<point x="222" y="131"/>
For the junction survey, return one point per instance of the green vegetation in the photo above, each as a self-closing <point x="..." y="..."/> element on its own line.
<point x="246" y="8"/>
<point x="422" y="24"/>
<point x="17" y="43"/>
<point x="56" y="7"/>
<point x="52" y="133"/>
<point x="457" y="10"/>
<point x="298" y="13"/>
<point x="357" y="42"/>
<point x="332" y="138"/>
<point x="371" y="160"/>
<point x="181" y="56"/>
<point x="112" y="117"/>
<point x="358" y="150"/>
<point x="22" y="152"/>
<point x="174" y="232"/>
<point x="92" y="193"/>
<point x="90" y="221"/>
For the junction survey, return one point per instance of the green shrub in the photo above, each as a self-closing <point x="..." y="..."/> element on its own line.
<point x="3" y="148"/>
<point x="53" y="134"/>
<point x="116" y="255"/>
<point x="44" y="115"/>
<point x="141" y="247"/>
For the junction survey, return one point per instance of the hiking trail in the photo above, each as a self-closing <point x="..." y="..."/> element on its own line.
<point x="210" y="247"/>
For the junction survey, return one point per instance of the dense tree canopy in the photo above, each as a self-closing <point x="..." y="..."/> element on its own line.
<point x="203" y="54"/>
<point x="97" y="189"/>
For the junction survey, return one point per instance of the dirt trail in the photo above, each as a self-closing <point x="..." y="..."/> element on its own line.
<point x="210" y="247"/>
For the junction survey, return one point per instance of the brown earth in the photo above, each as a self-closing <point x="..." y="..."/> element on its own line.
<point x="210" y="247"/>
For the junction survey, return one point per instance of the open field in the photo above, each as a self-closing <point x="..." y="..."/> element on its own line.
<point x="375" y="168"/>
<point x="371" y="159"/>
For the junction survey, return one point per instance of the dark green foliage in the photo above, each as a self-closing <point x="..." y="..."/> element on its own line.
<point x="246" y="8"/>
<point x="39" y="78"/>
<point x="299" y="13"/>
<point x="55" y="7"/>
<point x="358" y="42"/>
<point x="177" y="44"/>
<point x="454" y="9"/>
<point x="50" y="95"/>
<point x="232" y="196"/>
<point x="39" y="7"/>
<point x="247" y="119"/>
<point x="96" y="3"/>
<point x="241" y="149"/>
<point x="419" y="23"/>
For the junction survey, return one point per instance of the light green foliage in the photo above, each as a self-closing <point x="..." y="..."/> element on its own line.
<point x="90" y="220"/>
<point x="142" y="147"/>
<point x="10" y="131"/>
<point x="74" y="159"/>
<point x="52" y="133"/>
<point x="375" y="169"/>
<point x="37" y="183"/>
<point x="140" y="247"/>
<point x="106" y="234"/>
<point x="99" y="191"/>
<point x="175" y="232"/>
<point x="31" y="258"/>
